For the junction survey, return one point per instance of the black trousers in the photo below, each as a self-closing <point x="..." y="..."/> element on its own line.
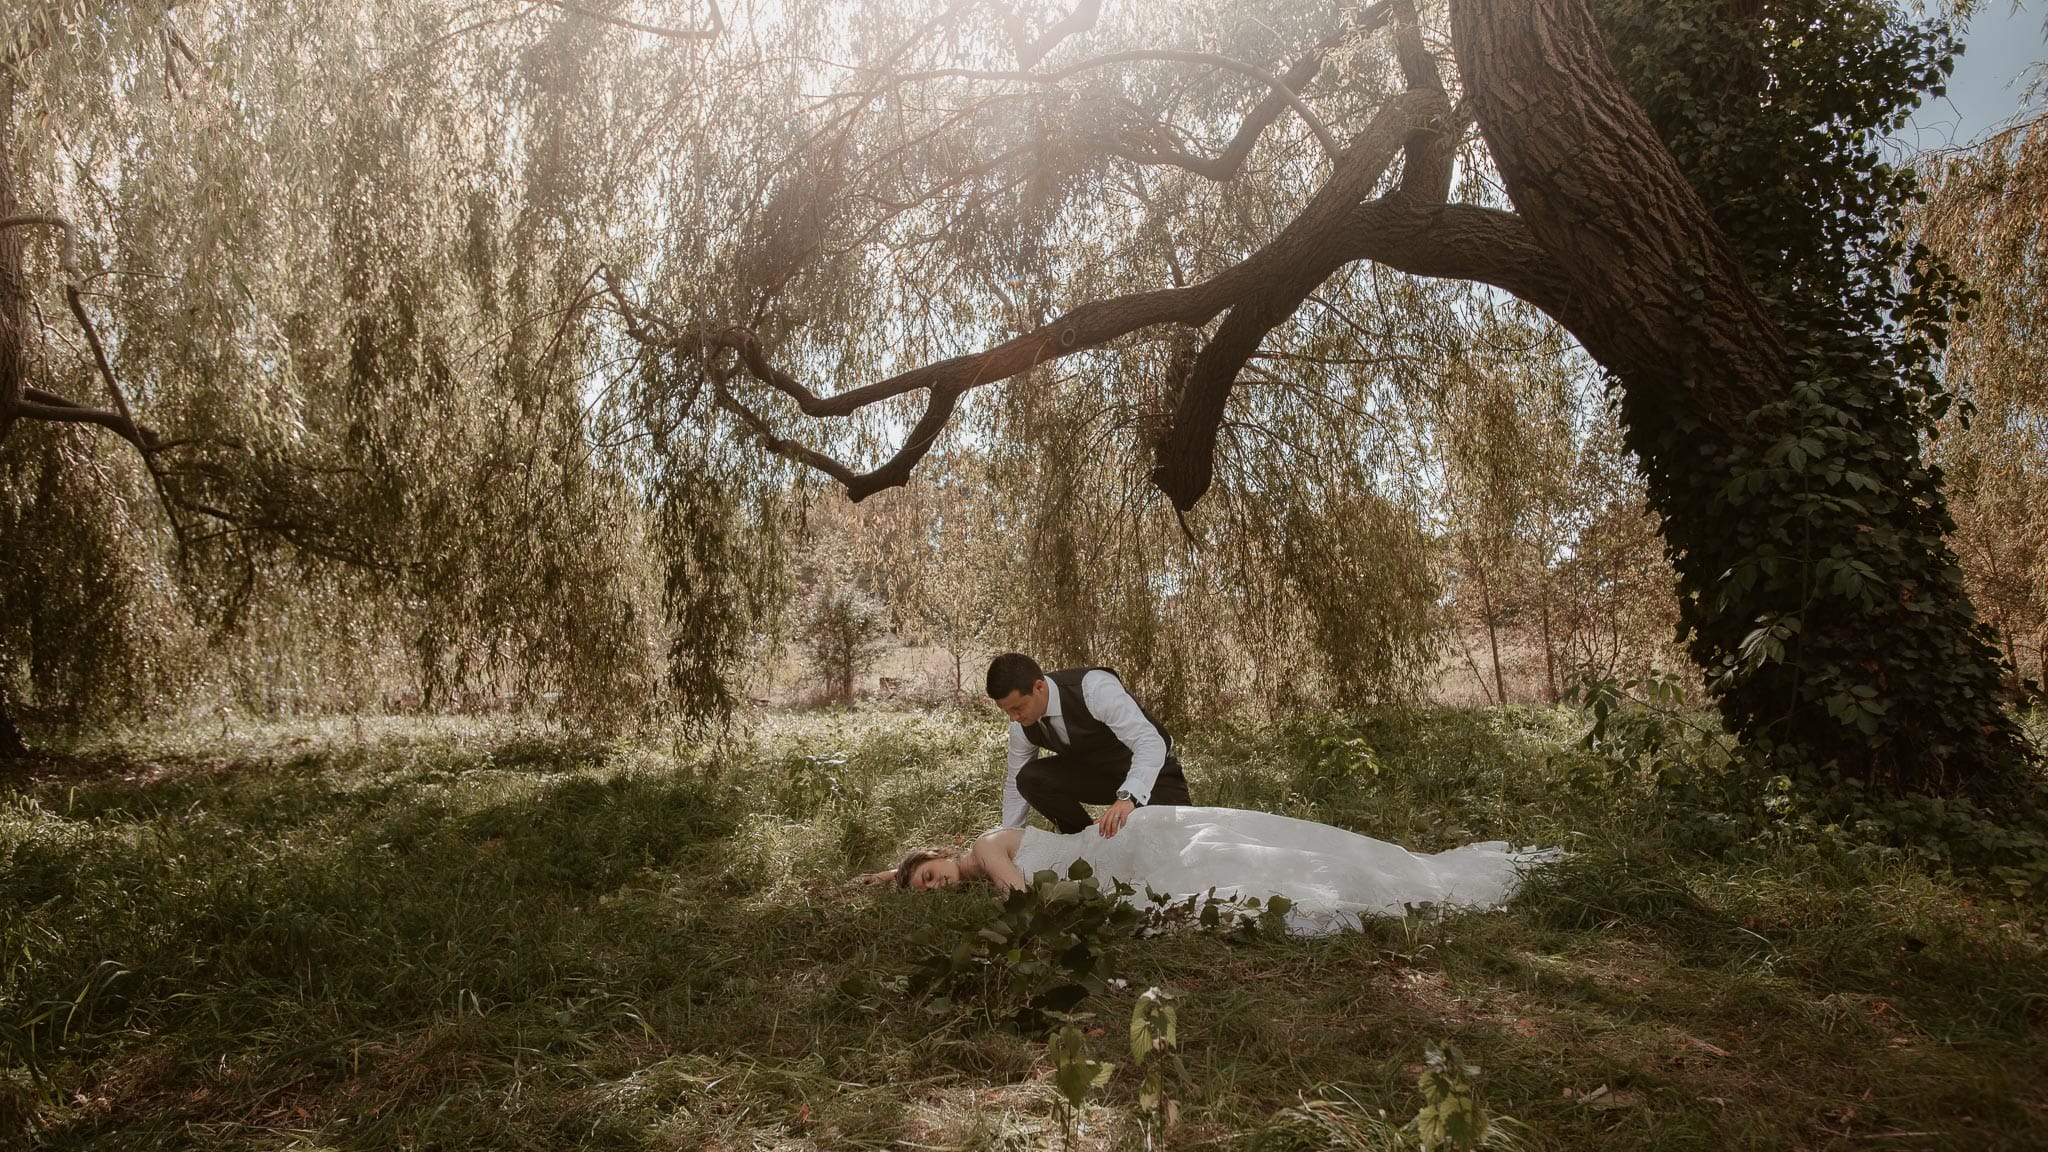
<point x="1058" y="785"/>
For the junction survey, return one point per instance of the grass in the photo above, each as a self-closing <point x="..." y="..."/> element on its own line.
<point x="443" y="934"/>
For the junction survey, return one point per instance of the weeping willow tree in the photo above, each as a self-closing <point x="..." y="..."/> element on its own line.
<point x="1989" y="216"/>
<point x="326" y="365"/>
<point x="975" y="193"/>
<point x="520" y="314"/>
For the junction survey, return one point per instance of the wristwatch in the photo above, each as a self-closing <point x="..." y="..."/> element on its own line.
<point x="1124" y="794"/>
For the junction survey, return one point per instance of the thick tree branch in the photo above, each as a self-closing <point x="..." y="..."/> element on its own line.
<point x="1303" y="257"/>
<point x="891" y="473"/>
<point x="36" y="404"/>
<point x="1459" y="242"/>
<point x="1448" y="240"/>
<point x="1411" y="229"/>
<point x="1416" y="124"/>
<point x="71" y="412"/>
<point x="1605" y="199"/>
<point x="1430" y="150"/>
<point x="67" y="250"/>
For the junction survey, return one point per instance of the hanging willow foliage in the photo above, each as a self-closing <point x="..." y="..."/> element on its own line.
<point x="351" y="252"/>
<point x="1988" y="216"/>
<point x="487" y="341"/>
<point x="344" y="255"/>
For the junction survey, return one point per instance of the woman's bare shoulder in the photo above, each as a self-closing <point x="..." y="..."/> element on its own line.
<point x="1004" y="840"/>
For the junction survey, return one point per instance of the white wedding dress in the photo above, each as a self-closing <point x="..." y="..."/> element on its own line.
<point x="1333" y="877"/>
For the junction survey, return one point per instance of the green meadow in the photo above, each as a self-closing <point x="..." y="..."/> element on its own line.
<point x="442" y="934"/>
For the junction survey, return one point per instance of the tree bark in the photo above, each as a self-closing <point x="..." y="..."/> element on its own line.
<point x="12" y="746"/>
<point x="1888" y="679"/>
<point x="1549" y="653"/>
<point x="13" y="355"/>
<point x="13" y="292"/>
<point x="1500" y="688"/>
<point x="1607" y="202"/>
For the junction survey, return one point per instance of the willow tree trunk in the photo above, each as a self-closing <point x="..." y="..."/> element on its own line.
<point x="12" y="746"/>
<point x="1845" y="640"/>
<point x="13" y="293"/>
<point x="13" y="358"/>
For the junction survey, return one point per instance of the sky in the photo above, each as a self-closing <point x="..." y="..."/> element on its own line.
<point x="1999" y="48"/>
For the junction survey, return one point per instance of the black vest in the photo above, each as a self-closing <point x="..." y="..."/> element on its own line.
<point x="1088" y="739"/>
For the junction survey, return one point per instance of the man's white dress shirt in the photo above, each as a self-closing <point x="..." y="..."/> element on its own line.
<point x="1109" y="702"/>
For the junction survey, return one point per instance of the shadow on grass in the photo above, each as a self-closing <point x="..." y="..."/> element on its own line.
<point x="514" y="943"/>
<point x="141" y="783"/>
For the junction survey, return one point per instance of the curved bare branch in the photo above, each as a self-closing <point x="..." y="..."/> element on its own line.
<point x="36" y="404"/>
<point x="1411" y="228"/>
<point x="1303" y="258"/>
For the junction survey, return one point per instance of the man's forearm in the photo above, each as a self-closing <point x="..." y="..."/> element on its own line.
<point x="1016" y="812"/>
<point x="1112" y="703"/>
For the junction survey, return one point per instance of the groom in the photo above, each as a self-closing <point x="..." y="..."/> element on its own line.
<point x="1105" y="748"/>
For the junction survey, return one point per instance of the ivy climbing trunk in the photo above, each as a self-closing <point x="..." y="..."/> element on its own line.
<point x="1818" y="593"/>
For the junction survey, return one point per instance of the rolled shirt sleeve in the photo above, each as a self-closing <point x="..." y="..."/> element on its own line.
<point x="1109" y="702"/>
<point x="1015" y="811"/>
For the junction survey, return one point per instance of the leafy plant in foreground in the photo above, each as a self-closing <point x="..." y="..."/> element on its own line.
<point x="1041" y="951"/>
<point x="1719" y="799"/>
<point x="1243" y="919"/>
<point x="1453" y="1113"/>
<point x="1075" y="1074"/>
<point x="1155" y="1047"/>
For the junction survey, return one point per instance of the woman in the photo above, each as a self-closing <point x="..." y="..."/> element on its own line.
<point x="1332" y="876"/>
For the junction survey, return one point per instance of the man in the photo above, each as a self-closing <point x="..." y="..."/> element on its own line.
<point x="1105" y="748"/>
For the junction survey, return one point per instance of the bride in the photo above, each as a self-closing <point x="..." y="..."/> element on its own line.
<point x="1333" y="877"/>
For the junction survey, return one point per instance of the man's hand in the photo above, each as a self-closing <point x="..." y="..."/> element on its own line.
<point x="1112" y="819"/>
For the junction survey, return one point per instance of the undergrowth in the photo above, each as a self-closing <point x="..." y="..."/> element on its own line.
<point x="420" y="935"/>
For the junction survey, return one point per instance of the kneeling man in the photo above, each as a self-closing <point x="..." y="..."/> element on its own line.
<point x="1104" y="747"/>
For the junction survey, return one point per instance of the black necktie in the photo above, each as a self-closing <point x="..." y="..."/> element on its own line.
<point x="1045" y="731"/>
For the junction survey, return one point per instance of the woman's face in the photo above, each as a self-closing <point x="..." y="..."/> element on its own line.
<point x="933" y="874"/>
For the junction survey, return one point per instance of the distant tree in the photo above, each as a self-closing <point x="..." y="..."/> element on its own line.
<point x="1988" y="216"/>
<point x="842" y="633"/>
<point x="1543" y="514"/>
<point x="933" y="553"/>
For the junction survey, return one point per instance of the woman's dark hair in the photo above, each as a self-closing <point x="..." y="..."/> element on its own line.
<point x="919" y="856"/>
<point x="1012" y="672"/>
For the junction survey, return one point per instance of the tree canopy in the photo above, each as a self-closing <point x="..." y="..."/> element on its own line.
<point x="511" y="336"/>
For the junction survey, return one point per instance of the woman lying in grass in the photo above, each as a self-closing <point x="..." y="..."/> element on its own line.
<point x="1332" y="876"/>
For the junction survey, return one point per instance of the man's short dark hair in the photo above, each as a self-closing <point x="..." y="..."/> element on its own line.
<point x="1012" y="672"/>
